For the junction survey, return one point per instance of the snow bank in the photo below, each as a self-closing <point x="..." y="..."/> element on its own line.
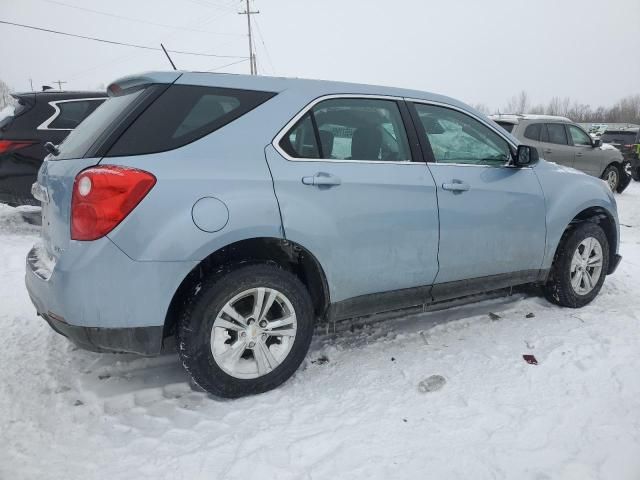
<point x="361" y="412"/>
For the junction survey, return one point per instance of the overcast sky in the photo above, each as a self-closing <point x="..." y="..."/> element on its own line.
<point x="480" y="51"/>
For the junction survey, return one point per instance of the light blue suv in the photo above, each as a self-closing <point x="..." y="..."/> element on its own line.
<point x="233" y="212"/>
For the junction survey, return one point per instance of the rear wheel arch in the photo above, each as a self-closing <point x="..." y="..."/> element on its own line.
<point x="290" y="256"/>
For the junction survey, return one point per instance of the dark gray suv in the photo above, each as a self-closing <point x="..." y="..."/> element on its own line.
<point x="561" y="141"/>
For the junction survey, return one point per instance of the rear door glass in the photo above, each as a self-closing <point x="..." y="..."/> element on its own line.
<point x="532" y="132"/>
<point x="557" y="133"/>
<point x="183" y="114"/>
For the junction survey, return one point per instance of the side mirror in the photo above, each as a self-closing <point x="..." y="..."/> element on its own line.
<point x="596" y="143"/>
<point x="526" y="156"/>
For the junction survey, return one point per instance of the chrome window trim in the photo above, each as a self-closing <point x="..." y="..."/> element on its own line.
<point x="45" y="125"/>
<point x="276" y="141"/>
<point x="475" y="117"/>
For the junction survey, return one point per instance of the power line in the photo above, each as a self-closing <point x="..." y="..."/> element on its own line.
<point x="122" y="17"/>
<point x="227" y="65"/>
<point x="213" y="5"/>
<point x="113" y="42"/>
<point x="273" y="70"/>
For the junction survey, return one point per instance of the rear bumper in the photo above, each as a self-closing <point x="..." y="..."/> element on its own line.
<point x="140" y="340"/>
<point x="100" y="298"/>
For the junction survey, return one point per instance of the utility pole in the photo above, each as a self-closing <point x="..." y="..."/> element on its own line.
<point x="59" y="82"/>
<point x="252" y="56"/>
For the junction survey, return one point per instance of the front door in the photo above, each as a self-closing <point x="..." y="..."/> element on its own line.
<point x="353" y="190"/>
<point x="587" y="158"/>
<point x="492" y="216"/>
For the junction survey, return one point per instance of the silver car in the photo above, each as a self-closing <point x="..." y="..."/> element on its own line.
<point x="561" y="141"/>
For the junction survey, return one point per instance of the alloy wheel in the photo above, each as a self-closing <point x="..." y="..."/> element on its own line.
<point x="586" y="266"/>
<point x="253" y="333"/>
<point x="612" y="179"/>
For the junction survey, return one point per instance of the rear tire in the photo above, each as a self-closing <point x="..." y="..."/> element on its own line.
<point x="572" y="281"/>
<point x="256" y="348"/>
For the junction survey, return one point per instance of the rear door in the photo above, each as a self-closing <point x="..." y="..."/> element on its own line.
<point x="353" y="189"/>
<point x="556" y="146"/>
<point x="492" y="216"/>
<point x="586" y="158"/>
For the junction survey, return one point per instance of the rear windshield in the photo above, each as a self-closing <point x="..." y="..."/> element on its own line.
<point x="183" y="114"/>
<point x="619" y="137"/>
<point x="506" y="125"/>
<point x="80" y="140"/>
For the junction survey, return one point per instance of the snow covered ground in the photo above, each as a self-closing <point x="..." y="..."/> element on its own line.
<point x="70" y="414"/>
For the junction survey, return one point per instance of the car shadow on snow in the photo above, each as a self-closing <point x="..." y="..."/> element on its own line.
<point x="106" y="375"/>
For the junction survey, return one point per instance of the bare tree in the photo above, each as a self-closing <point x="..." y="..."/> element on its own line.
<point x="5" y="96"/>
<point x="481" y="107"/>
<point x="518" y="103"/>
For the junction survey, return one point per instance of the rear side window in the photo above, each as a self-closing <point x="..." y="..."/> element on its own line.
<point x="506" y="125"/>
<point x="183" y="114"/>
<point x="532" y="132"/>
<point x="350" y="129"/>
<point x="301" y="141"/>
<point x="557" y="133"/>
<point x="72" y="113"/>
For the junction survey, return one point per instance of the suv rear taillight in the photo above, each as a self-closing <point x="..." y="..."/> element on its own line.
<point x="7" y="146"/>
<point x="103" y="196"/>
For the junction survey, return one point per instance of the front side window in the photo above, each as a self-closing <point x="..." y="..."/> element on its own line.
<point x="578" y="136"/>
<point x="350" y="129"/>
<point x="457" y="138"/>
<point x="557" y="133"/>
<point x="73" y="112"/>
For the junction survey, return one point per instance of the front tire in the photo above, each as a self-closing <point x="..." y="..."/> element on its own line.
<point x="245" y="331"/>
<point x="611" y="175"/>
<point x="579" y="267"/>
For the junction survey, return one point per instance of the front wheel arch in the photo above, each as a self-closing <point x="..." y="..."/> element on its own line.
<point x="601" y="217"/>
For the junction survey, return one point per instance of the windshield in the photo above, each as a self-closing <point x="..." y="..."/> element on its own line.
<point x="84" y="136"/>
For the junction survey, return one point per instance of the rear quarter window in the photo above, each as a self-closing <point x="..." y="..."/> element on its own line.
<point x="183" y="114"/>
<point x="507" y="126"/>
<point x="72" y="112"/>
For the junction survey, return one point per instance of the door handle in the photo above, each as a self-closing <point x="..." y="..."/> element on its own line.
<point x="322" y="179"/>
<point x="579" y="154"/>
<point x="456" y="186"/>
<point x="547" y="150"/>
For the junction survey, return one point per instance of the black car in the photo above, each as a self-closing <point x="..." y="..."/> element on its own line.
<point x="39" y="117"/>
<point x="626" y="140"/>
